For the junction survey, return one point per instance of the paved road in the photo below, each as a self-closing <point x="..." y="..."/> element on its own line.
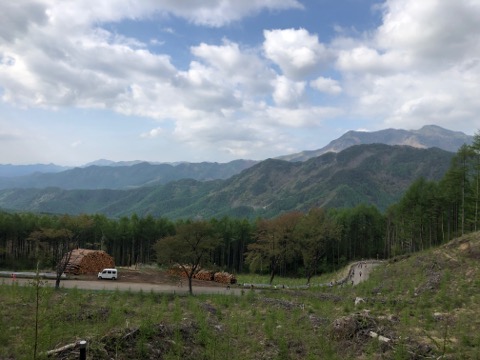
<point x="135" y="287"/>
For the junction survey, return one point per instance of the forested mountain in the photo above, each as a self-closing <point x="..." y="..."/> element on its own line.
<point x="106" y="174"/>
<point x="426" y="137"/>
<point x="126" y="176"/>
<point x="374" y="174"/>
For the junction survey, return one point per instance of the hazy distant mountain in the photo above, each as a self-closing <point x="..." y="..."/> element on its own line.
<point x="427" y="137"/>
<point x="105" y="162"/>
<point x="109" y="174"/>
<point x="9" y="170"/>
<point x="374" y="174"/>
<point x="124" y="177"/>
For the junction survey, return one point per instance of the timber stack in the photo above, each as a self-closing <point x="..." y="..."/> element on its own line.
<point x="83" y="261"/>
<point x="225" y="278"/>
<point x="205" y="275"/>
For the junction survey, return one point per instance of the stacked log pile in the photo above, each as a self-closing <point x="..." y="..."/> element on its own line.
<point x="83" y="261"/>
<point x="205" y="275"/>
<point x="176" y="271"/>
<point x="225" y="278"/>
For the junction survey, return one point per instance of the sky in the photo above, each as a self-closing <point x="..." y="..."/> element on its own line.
<point x="220" y="80"/>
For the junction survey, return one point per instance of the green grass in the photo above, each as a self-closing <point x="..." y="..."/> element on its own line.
<point x="288" y="281"/>
<point x="427" y="304"/>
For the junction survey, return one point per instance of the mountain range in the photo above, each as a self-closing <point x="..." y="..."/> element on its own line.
<point x="359" y="167"/>
<point x="106" y="174"/>
<point x="374" y="174"/>
<point x="126" y="176"/>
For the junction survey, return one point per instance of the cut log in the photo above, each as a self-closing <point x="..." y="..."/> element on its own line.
<point x="83" y="261"/>
<point x="225" y="278"/>
<point x="204" y="275"/>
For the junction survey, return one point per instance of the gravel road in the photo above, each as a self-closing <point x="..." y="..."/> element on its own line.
<point x="361" y="271"/>
<point x="113" y="285"/>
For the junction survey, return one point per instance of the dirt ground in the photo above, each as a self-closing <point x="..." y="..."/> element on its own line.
<point x="147" y="280"/>
<point x="149" y="276"/>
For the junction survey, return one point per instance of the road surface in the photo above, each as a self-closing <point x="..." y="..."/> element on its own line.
<point x="361" y="271"/>
<point x="113" y="285"/>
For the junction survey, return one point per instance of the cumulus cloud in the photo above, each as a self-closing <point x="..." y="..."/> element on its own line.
<point x="158" y="131"/>
<point x="288" y="93"/>
<point x="431" y="32"/>
<point x="239" y="67"/>
<point x="297" y="52"/>
<point x="221" y="12"/>
<point x="419" y="67"/>
<point x="326" y="85"/>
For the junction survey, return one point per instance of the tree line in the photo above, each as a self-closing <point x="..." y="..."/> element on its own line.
<point x="292" y="244"/>
<point x="335" y="237"/>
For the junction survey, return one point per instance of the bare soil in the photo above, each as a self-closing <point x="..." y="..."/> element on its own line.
<point x="149" y="276"/>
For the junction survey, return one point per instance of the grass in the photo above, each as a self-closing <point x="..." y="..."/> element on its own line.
<point x="291" y="282"/>
<point x="427" y="304"/>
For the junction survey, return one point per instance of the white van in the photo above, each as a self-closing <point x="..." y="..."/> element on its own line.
<point x="108" y="274"/>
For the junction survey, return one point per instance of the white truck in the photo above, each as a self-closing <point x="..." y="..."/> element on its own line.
<point x="108" y="274"/>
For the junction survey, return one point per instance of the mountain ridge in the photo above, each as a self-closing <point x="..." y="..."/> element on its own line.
<point x="130" y="174"/>
<point x="426" y="137"/>
<point x="125" y="177"/>
<point x="375" y="174"/>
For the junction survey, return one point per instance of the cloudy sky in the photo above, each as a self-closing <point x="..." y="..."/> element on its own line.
<point x="218" y="80"/>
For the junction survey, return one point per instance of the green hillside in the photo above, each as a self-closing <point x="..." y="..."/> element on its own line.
<point x="421" y="306"/>
<point x="373" y="174"/>
<point x="125" y="177"/>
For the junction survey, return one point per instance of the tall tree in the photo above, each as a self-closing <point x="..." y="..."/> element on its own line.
<point x="314" y="232"/>
<point x="274" y="243"/>
<point x="55" y="245"/>
<point x="189" y="247"/>
<point x="476" y="150"/>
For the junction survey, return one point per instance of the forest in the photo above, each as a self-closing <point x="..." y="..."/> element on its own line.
<point x="292" y="244"/>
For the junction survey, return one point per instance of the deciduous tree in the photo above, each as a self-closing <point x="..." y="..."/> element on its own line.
<point x="314" y="232"/>
<point x="189" y="247"/>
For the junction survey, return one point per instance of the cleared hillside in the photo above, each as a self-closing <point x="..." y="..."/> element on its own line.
<point x="422" y="306"/>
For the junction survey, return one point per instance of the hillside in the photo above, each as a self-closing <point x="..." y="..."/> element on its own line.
<point x="426" y="137"/>
<point x="125" y="176"/>
<point x="418" y="306"/>
<point x="373" y="174"/>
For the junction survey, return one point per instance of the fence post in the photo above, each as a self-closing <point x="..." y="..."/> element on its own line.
<point x="83" y="350"/>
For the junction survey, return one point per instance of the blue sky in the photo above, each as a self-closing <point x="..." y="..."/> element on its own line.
<point x="219" y="80"/>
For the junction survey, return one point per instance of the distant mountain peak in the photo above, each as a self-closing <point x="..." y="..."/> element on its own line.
<point x="426" y="137"/>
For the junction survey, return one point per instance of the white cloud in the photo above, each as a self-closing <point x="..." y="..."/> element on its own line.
<point x="421" y="66"/>
<point x="295" y="51"/>
<point x="288" y="93"/>
<point x="222" y="12"/>
<point x="239" y="67"/>
<point x="326" y="85"/>
<point x="432" y="32"/>
<point x="310" y="117"/>
<point x="154" y="133"/>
